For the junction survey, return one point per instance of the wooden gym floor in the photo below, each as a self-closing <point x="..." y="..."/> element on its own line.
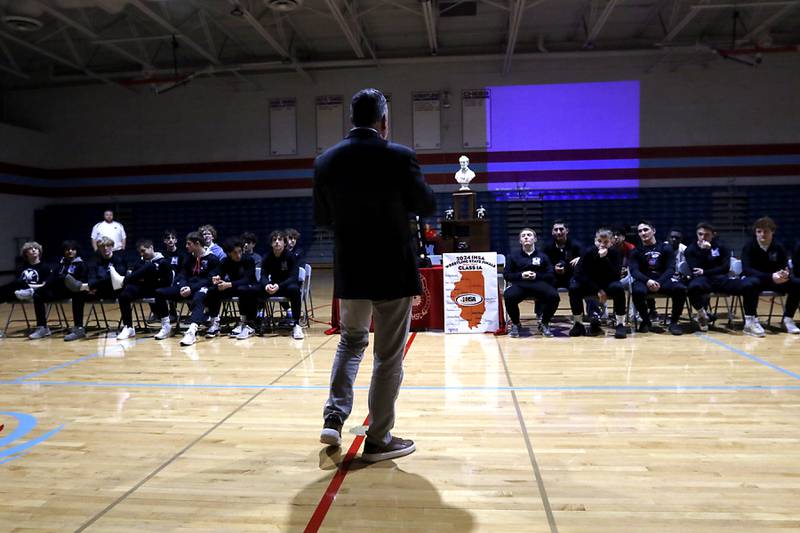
<point x="649" y="434"/>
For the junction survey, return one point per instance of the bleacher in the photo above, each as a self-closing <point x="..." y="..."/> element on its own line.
<point x="731" y="209"/>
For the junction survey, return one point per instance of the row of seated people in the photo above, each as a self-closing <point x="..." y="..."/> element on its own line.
<point x="606" y="270"/>
<point x="198" y="277"/>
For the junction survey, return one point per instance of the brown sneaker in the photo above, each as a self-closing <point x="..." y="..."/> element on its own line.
<point x="397" y="447"/>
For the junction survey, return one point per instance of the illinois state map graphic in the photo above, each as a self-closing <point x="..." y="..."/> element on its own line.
<point x="468" y="295"/>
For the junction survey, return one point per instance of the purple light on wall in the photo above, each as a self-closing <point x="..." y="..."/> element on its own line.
<point x="529" y="118"/>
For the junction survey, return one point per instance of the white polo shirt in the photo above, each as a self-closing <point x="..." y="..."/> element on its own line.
<point x="114" y="231"/>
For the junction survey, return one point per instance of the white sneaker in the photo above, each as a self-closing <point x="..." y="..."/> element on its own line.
<point x="754" y="328"/>
<point x="790" y="326"/>
<point x="189" y="338"/>
<point x="213" y="329"/>
<point x="297" y="332"/>
<point x="238" y="329"/>
<point x="245" y="333"/>
<point x="126" y="333"/>
<point x="164" y="332"/>
<point x="24" y="295"/>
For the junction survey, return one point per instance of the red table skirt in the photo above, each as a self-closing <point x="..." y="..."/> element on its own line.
<point x="428" y="309"/>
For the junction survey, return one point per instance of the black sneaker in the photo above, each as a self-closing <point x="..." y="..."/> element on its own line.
<point x="397" y="447"/>
<point x="644" y="326"/>
<point x="594" y="327"/>
<point x="331" y="432"/>
<point x="577" y="330"/>
<point x="656" y="329"/>
<point x="620" y="332"/>
<point x="675" y="328"/>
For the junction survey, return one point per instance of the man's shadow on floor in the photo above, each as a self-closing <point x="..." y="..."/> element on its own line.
<point x="376" y="497"/>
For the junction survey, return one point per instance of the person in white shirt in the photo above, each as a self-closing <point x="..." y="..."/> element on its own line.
<point x="111" y="229"/>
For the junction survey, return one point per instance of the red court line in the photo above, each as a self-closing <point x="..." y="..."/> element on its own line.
<point x="325" y="503"/>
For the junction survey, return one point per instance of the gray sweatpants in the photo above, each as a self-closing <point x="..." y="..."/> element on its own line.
<point x="391" y="319"/>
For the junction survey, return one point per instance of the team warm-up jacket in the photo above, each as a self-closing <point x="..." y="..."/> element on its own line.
<point x="760" y="263"/>
<point x="281" y="270"/>
<point x="656" y="262"/>
<point x="98" y="270"/>
<point x="715" y="261"/>
<point x="238" y="273"/>
<point x="537" y="261"/>
<point x="197" y="271"/>
<point x="595" y="272"/>
<point x="175" y="259"/>
<point x="76" y="268"/>
<point x="154" y="273"/>
<point x="564" y="255"/>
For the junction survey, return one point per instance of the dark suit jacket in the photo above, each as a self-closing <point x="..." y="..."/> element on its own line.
<point x="366" y="189"/>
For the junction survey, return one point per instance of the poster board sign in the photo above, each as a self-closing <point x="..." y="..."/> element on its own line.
<point x="427" y="118"/>
<point x="330" y="121"/>
<point x="476" y="118"/>
<point x="470" y="292"/>
<point x="283" y="126"/>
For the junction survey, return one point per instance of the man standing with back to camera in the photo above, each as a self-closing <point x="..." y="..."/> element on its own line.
<point x="367" y="189"/>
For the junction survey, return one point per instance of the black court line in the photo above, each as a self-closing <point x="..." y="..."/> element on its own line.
<point x="186" y="448"/>
<point x="551" y="520"/>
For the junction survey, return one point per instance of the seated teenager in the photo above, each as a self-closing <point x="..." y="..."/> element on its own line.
<point x="192" y="283"/>
<point x="175" y="257"/>
<point x="652" y="265"/>
<point x="597" y="276"/>
<point x="279" y="278"/>
<point x="236" y="278"/>
<point x="249" y="241"/>
<point x="29" y="275"/>
<point x="209" y="238"/>
<point x="64" y="282"/>
<point x="765" y="267"/>
<point x="563" y="252"/>
<point x="100" y="285"/>
<point x="708" y="261"/>
<point x="531" y="276"/>
<point x="149" y="274"/>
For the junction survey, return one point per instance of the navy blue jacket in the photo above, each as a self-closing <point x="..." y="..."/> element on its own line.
<point x="537" y="261"/>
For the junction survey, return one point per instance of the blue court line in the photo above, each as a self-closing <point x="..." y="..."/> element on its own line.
<point x="439" y="388"/>
<point x="749" y="356"/>
<point x="67" y="364"/>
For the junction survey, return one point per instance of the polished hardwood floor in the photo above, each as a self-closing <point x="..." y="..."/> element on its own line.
<point x="653" y="433"/>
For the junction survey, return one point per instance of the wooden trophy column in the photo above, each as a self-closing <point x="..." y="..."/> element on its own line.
<point x="465" y="233"/>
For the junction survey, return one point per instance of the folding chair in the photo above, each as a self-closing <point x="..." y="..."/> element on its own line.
<point x="11" y="320"/>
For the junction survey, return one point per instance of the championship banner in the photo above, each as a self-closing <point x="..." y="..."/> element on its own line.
<point x="470" y="292"/>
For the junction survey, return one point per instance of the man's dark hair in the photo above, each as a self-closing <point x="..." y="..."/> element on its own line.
<point x="675" y="230"/>
<point x="367" y="107"/>
<point x="195" y="237"/>
<point x="144" y="243"/>
<point x="69" y="245"/>
<point x="231" y="243"/>
<point x="277" y="234"/>
<point x="646" y="223"/>
<point x="765" y="223"/>
<point x="249" y="237"/>
<point x="169" y="233"/>
<point x="560" y="221"/>
<point x="706" y="226"/>
<point x="292" y="233"/>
